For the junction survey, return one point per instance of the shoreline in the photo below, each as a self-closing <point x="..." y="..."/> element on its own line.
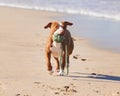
<point x="23" y="67"/>
<point x="103" y="33"/>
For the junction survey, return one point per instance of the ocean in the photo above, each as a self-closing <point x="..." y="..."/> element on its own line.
<point x="97" y="20"/>
<point x="98" y="8"/>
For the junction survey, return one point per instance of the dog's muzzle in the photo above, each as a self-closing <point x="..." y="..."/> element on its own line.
<point x="59" y="34"/>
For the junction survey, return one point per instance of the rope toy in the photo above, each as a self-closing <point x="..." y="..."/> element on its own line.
<point x="66" y="59"/>
<point x="58" y="38"/>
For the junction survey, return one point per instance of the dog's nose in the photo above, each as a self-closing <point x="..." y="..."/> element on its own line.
<point x="62" y="32"/>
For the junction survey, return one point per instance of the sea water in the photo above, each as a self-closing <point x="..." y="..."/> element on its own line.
<point x="98" y="20"/>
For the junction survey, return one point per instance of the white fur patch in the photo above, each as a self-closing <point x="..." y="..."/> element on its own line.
<point x="59" y="30"/>
<point x="56" y="49"/>
<point x="61" y="73"/>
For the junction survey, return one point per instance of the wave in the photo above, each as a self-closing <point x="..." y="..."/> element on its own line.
<point x="81" y="11"/>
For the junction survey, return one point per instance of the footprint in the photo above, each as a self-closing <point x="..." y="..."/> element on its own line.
<point x="78" y="57"/>
<point x="17" y="95"/>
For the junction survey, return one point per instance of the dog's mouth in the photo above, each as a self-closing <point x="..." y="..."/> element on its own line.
<point x="59" y="38"/>
<point x="59" y="34"/>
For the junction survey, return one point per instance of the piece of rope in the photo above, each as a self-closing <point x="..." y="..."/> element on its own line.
<point x="66" y="57"/>
<point x="61" y="58"/>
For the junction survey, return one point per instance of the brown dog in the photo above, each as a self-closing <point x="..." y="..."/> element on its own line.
<point x="53" y="47"/>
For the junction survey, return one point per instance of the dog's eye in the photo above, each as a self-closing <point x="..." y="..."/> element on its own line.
<point x="57" y="27"/>
<point x="64" y="27"/>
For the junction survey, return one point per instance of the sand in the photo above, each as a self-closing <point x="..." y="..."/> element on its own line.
<point x="23" y="72"/>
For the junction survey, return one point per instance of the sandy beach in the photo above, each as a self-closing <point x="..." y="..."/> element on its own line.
<point x="23" y="72"/>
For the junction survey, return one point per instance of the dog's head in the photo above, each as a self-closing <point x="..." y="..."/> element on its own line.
<point x="58" y="28"/>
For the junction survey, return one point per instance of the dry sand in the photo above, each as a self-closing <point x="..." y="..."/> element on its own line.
<point x="93" y="71"/>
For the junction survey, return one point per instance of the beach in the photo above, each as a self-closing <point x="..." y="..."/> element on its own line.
<point x="23" y="72"/>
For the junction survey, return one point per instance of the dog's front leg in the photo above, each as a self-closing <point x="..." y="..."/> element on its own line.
<point x="49" y="66"/>
<point x="57" y="64"/>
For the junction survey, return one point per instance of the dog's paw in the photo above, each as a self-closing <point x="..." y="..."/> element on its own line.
<point x="51" y="72"/>
<point x="61" y="73"/>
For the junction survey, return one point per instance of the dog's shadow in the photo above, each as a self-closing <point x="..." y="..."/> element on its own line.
<point x="95" y="76"/>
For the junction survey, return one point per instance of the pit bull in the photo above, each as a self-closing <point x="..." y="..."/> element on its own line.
<point x="54" y="47"/>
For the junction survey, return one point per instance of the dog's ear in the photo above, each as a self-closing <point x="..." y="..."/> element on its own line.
<point x="48" y="25"/>
<point x="68" y="23"/>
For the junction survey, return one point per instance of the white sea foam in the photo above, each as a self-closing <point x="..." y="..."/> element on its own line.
<point x="96" y="8"/>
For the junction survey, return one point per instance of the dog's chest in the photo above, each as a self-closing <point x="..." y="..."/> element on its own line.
<point x="56" y="49"/>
